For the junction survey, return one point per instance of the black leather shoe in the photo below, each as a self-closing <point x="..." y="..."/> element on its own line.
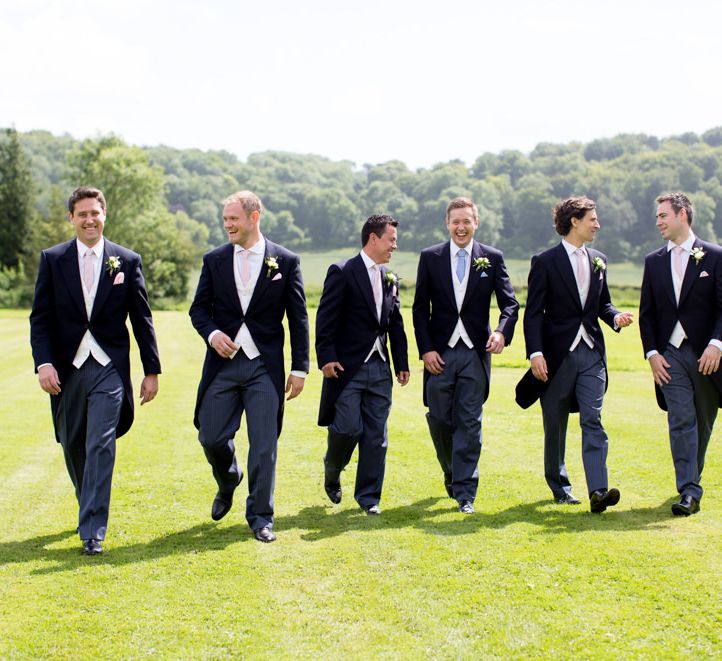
<point x="92" y="547"/>
<point x="223" y="502"/>
<point x="600" y="499"/>
<point x="264" y="535"/>
<point x="686" y="506"/>
<point x="372" y="510"/>
<point x="333" y="491"/>
<point x="466" y="507"/>
<point x="568" y="499"/>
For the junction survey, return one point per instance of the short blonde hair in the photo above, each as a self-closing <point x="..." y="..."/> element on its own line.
<point x="248" y="200"/>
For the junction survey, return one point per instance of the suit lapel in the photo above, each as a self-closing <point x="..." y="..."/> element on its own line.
<point x="691" y="273"/>
<point x="264" y="278"/>
<point x="566" y="273"/>
<point x="663" y="266"/>
<point x="71" y="274"/>
<point x="445" y="274"/>
<point x="362" y="279"/>
<point x="594" y="282"/>
<point x="387" y="299"/>
<point x="224" y="264"/>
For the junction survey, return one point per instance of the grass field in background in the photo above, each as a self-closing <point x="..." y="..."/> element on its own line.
<point x="624" y="278"/>
<point x="523" y="577"/>
<point x="315" y="264"/>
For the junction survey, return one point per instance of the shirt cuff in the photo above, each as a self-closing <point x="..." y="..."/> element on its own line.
<point x="616" y="316"/>
<point x="535" y="354"/>
<point x="298" y="373"/>
<point x="213" y="334"/>
<point x="651" y="353"/>
<point x="46" y="364"/>
<point x="716" y="343"/>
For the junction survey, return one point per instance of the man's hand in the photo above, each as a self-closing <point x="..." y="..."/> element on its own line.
<point x="148" y="389"/>
<point x="331" y="370"/>
<point x="294" y="386"/>
<point x="496" y="342"/>
<point x="223" y="345"/>
<point x="659" y="369"/>
<point x="433" y="362"/>
<point x="624" y="319"/>
<point x="539" y="368"/>
<point x="709" y="360"/>
<point x="403" y="377"/>
<point x="49" y="381"/>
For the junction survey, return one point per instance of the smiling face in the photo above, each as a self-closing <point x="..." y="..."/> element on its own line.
<point x="672" y="226"/>
<point x="462" y="225"/>
<point x="241" y="227"/>
<point x="584" y="229"/>
<point x="380" y="248"/>
<point x="88" y="220"/>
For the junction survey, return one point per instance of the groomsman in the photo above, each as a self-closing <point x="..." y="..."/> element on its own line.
<point x="454" y="285"/>
<point x="85" y="290"/>
<point x="245" y="288"/>
<point x="567" y="296"/>
<point x="680" y="320"/>
<point x="359" y="308"/>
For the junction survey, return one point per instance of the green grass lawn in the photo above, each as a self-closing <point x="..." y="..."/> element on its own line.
<point x="522" y="577"/>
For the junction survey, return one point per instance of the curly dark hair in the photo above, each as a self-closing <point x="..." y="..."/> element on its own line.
<point x="572" y="207"/>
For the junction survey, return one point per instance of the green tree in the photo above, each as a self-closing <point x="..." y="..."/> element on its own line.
<point x="17" y="193"/>
<point x="138" y="217"/>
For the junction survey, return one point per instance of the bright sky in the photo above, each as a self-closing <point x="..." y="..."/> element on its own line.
<point x="421" y="81"/>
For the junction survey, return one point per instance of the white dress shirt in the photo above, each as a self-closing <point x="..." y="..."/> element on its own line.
<point x="459" y="293"/>
<point x="378" y="344"/>
<point x="255" y="263"/>
<point x="88" y="346"/>
<point x="583" y="290"/>
<point x="678" y="333"/>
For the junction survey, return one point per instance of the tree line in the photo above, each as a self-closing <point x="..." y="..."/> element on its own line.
<point x="165" y="202"/>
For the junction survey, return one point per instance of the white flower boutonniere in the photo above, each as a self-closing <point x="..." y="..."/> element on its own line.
<point x="392" y="278"/>
<point x="272" y="266"/>
<point x="697" y="254"/>
<point x="481" y="263"/>
<point x="598" y="264"/>
<point x="112" y="265"/>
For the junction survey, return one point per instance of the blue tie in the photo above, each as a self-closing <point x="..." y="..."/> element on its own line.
<point x="461" y="264"/>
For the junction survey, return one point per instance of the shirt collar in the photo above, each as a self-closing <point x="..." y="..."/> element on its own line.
<point x="97" y="248"/>
<point x="258" y="248"/>
<point x="571" y="249"/>
<point x="687" y="245"/>
<point x="368" y="262"/>
<point x="456" y="249"/>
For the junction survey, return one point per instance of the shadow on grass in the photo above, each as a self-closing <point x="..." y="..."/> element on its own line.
<point x="431" y="515"/>
<point x="319" y="522"/>
<point x="198" y="539"/>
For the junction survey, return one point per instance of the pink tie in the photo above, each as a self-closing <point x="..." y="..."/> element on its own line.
<point x="581" y="273"/>
<point x="89" y="270"/>
<point x="677" y="262"/>
<point x="245" y="267"/>
<point x="377" y="285"/>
